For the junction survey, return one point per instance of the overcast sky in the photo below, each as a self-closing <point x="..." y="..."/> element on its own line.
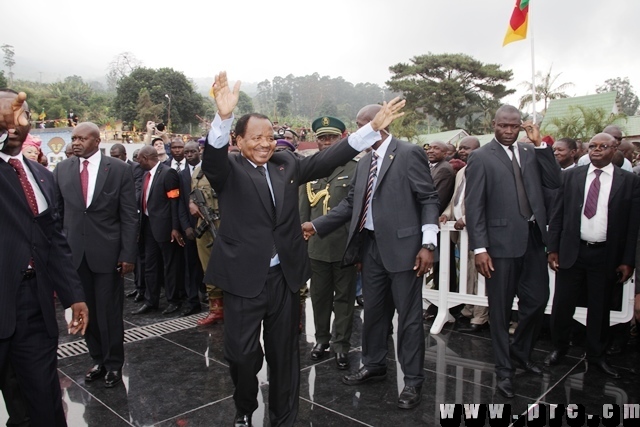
<point x="587" y="41"/>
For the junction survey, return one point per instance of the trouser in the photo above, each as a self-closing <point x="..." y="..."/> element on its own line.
<point x="382" y="290"/>
<point x="589" y="274"/>
<point x="193" y="273"/>
<point x="104" y="293"/>
<point x="333" y="290"/>
<point x="278" y="310"/>
<point x="528" y="278"/>
<point x="478" y="314"/>
<point x="13" y="399"/>
<point x="171" y="256"/>
<point x="204" y="253"/>
<point x="33" y="354"/>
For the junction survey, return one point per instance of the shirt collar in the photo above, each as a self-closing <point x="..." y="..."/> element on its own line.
<point x="382" y="149"/>
<point x="153" y="170"/>
<point x="94" y="159"/>
<point x="607" y="169"/>
<point x="7" y="157"/>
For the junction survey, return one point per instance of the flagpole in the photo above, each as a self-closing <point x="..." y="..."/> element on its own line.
<point x="533" y="67"/>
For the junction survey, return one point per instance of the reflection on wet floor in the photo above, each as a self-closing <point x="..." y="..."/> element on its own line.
<point x="179" y="377"/>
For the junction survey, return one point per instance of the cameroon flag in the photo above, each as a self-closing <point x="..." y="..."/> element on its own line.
<point x="518" y="24"/>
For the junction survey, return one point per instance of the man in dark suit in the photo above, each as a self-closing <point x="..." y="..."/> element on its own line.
<point x="258" y="193"/>
<point x="507" y="224"/>
<point x="36" y="262"/>
<point x="193" y="272"/>
<point x="97" y="202"/>
<point x="444" y="177"/>
<point x="592" y="246"/>
<point x="160" y="227"/>
<point x="392" y="209"/>
<point x="119" y="152"/>
<point x="333" y="288"/>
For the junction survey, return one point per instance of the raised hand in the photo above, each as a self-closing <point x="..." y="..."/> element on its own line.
<point x="12" y="112"/>
<point x="226" y="99"/>
<point x="388" y="113"/>
<point x="533" y="132"/>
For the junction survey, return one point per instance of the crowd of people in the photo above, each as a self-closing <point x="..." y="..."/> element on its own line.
<point x="240" y="219"/>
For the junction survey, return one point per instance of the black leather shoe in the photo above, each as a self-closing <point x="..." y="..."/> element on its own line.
<point x="96" y="372"/>
<point x="342" y="361"/>
<point x="528" y="366"/>
<point x="241" y="420"/>
<point x="505" y="387"/>
<point x="364" y="375"/>
<point x="410" y="397"/>
<point x="473" y="328"/>
<point x="131" y="294"/>
<point x="139" y="298"/>
<point x="144" y="309"/>
<point x="360" y="300"/>
<point x="112" y="378"/>
<point x="603" y="366"/>
<point x="614" y="349"/>
<point x="190" y="310"/>
<point x="318" y="352"/>
<point x="172" y="308"/>
<point x="554" y="357"/>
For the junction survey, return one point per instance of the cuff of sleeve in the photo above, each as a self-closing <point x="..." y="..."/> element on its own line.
<point x="219" y="132"/>
<point x="364" y="138"/>
<point x="479" y="251"/>
<point x="430" y="234"/>
<point x="542" y="146"/>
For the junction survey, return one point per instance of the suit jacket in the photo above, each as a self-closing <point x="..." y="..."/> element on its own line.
<point x="163" y="210"/>
<point x="622" y="220"/>
<point x="448" y="212"/>
<point x="186" y="219"/>
<point x="241" y="254"/>
<point x="403" y="200"/>
<point x="493" y="216"/>
<point x="106" y="231"/>
<point x="25" y="237"/>
<point x="330" y="248"/>
<point x="443" y="178"/>
<point x="137" y="178"/>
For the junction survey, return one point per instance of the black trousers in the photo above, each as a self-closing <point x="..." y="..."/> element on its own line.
<point x="528" y="278"/>
<point x="193" y="273"/>
<point x="277" y="310"/>
<point x="588" y="275"/>
<point x="104" y="293"/>
<point x="383" y="290"/>
<point x="13" y="399"/>
<point x="161" y="255"/>
<point x="33" y="354"/>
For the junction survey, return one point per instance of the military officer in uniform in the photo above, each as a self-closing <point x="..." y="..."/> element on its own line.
<point x="332" y="286"/>
<point x="204" y="242"/>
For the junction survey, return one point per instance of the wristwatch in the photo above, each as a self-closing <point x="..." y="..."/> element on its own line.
<point x="430" y="247"/>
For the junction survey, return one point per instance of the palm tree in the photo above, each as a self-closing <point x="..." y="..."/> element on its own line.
<point x="545" y="89"/>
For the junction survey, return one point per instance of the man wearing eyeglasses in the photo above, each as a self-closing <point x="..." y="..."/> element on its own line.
<point x="592" y="245"/>
<point x="332" y="287"/>
<point x="616" y="133"/>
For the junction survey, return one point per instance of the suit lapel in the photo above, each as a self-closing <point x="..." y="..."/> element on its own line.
<point x="74" y="166"/>
<point x="362" y="177"/>
<point x="276" y="175"/>
<point x="103" y="172"/>
<point x="156" y="180"/>
<point x="501" y="155"/>
<point x="616" y="183"/>
<point x="524" y="154"/>
<point x="260" y="183"/>
<point x="386" y="162"/>
<point x="582" y="179"/>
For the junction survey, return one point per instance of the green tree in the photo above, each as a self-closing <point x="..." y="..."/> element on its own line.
<point x="3" y="80"/>
<point x="447" y="86"/>
<point x="582" y="123"/>
<point x="186" y="103"/>
<point x="408" y="127"/>
<point x="9" y="62"/>
<point x="545" y="89"/>
<point x="626" y="96"/>
<point x="146" y="109"/>
<point x="282" y="103"/>
<point x="245" y="105"/>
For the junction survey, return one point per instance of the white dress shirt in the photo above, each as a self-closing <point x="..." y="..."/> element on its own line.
<point x="175" y="163"/>
<point x="92" y="168"/>
<point x="594" y="229"/>
<point x="40" y="199"/>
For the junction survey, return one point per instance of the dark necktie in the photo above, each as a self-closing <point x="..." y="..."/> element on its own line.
<point x="263" y="172"/>
<point x="26" y="185"/>
<point x="373" y="170"/>
<point x="84" y="180"/>
<point x="145" y="189"/>
<point x="178" y="167"/>
<point x="523" y="202"/>
<point x="591" y="205"/>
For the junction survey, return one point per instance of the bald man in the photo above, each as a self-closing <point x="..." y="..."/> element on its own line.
<point x="616" y="133"/>
<point x="97" y="202"/>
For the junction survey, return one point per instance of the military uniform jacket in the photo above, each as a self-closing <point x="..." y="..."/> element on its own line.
<point x="207" y="191"/>
<point x="325" y="194"/>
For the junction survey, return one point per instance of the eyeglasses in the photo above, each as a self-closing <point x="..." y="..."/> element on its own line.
<point x="602" y="146"/>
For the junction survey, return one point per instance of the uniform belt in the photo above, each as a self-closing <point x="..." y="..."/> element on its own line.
<point x="28" y="274"/>
<point x="592" y="244"/>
